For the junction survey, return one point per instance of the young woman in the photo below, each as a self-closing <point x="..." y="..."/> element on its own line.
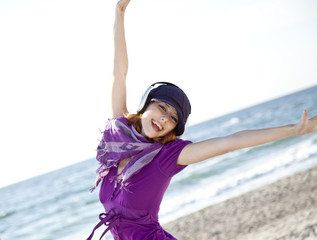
<point x="140" y="153"/>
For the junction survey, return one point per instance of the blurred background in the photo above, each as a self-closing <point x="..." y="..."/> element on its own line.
<point x="56" y="69"/>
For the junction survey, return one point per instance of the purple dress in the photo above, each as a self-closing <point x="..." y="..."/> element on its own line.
<point x="132" y="213"/>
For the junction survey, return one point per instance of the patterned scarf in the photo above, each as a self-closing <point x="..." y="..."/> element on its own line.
<point x="121" y="141"/>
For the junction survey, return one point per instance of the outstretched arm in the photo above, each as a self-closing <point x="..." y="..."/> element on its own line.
<point x="197" y="152"/>
<point x="120" y="68"/>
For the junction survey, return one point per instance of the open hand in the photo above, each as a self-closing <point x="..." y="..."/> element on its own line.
<point x="306" y="125"/>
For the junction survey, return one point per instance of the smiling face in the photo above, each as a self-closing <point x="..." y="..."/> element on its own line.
<point x="158" y="120"/>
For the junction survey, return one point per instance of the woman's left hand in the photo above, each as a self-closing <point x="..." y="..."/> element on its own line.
<point x="306" y="125"/>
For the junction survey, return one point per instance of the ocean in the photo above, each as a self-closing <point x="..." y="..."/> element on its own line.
<point x="59" y="205"/>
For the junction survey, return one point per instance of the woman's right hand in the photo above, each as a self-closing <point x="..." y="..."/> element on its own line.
<point x="122" y="5"/>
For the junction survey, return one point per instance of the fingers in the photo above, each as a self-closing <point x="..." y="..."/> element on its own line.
<point x="313" y="118"/>
<point x="305" y="113"/>
<point x="122" y="4"/>
<point x="308" y="125"/>
<point x="313" y="121"/>
<point x="304" y="117"/>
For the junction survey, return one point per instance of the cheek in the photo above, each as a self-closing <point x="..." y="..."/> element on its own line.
<point x="145" y="117"/>
<point x="170" y="127"/>
<point x="146" y="123"/>
<point x="143" y="121"/>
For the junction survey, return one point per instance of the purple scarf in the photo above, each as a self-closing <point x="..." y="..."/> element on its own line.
<point x="121" y="141"/>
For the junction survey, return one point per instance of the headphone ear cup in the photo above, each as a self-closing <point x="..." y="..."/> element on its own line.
<point x="144" y="99"/>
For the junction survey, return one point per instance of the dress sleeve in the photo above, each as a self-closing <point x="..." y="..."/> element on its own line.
<point x="168" y="157"/>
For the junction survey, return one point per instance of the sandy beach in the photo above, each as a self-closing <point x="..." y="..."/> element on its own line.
<point x="283" y="210"/>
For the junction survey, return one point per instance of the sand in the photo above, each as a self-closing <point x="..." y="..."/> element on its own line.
<point x="283" y="210"/>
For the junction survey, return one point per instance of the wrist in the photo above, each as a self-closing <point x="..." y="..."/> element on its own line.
<point x="292" y="130"/>
<point x="120" y="10"/>
<point x="119" y="14"/>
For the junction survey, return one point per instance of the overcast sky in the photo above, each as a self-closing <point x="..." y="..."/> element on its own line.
<point x="56" y="64"/>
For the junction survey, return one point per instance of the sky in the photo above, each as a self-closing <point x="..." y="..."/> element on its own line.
<point x="56" y="66"/>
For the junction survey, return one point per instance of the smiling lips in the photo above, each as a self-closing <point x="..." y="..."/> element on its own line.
<point x="157" y="126"/>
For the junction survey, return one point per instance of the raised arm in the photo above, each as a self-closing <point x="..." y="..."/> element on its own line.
<point x="120" y="67"/>
<point x="197" y="152"/>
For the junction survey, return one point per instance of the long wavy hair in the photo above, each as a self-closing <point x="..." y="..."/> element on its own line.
<point x="135" y="120"/>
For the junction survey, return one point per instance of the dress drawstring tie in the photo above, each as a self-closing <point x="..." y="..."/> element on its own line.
<point x="107" y="219"/>
<point x="110" y="219"/>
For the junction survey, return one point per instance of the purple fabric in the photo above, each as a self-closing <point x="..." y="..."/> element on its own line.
<point x="132" y="214"/>
<point x="121" y="141"/>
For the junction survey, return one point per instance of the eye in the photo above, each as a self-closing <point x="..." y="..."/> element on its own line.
<point x="174" y="119"/>
<point x="162" y="107"/>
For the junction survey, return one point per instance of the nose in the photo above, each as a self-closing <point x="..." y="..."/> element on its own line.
<point x="164" y="118"/>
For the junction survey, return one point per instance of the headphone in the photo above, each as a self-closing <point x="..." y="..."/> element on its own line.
<point x="145" y="98"/>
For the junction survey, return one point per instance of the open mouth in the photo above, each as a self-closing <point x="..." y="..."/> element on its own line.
<point x="157" y="126"/>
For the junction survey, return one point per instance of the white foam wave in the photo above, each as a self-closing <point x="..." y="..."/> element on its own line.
<point x="231" y="122"/>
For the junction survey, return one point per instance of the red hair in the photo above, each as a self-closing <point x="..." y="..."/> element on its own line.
<point x="135" y="120"/>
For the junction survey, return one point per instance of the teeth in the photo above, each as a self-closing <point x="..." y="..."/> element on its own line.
<point x="159" y="126"/>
